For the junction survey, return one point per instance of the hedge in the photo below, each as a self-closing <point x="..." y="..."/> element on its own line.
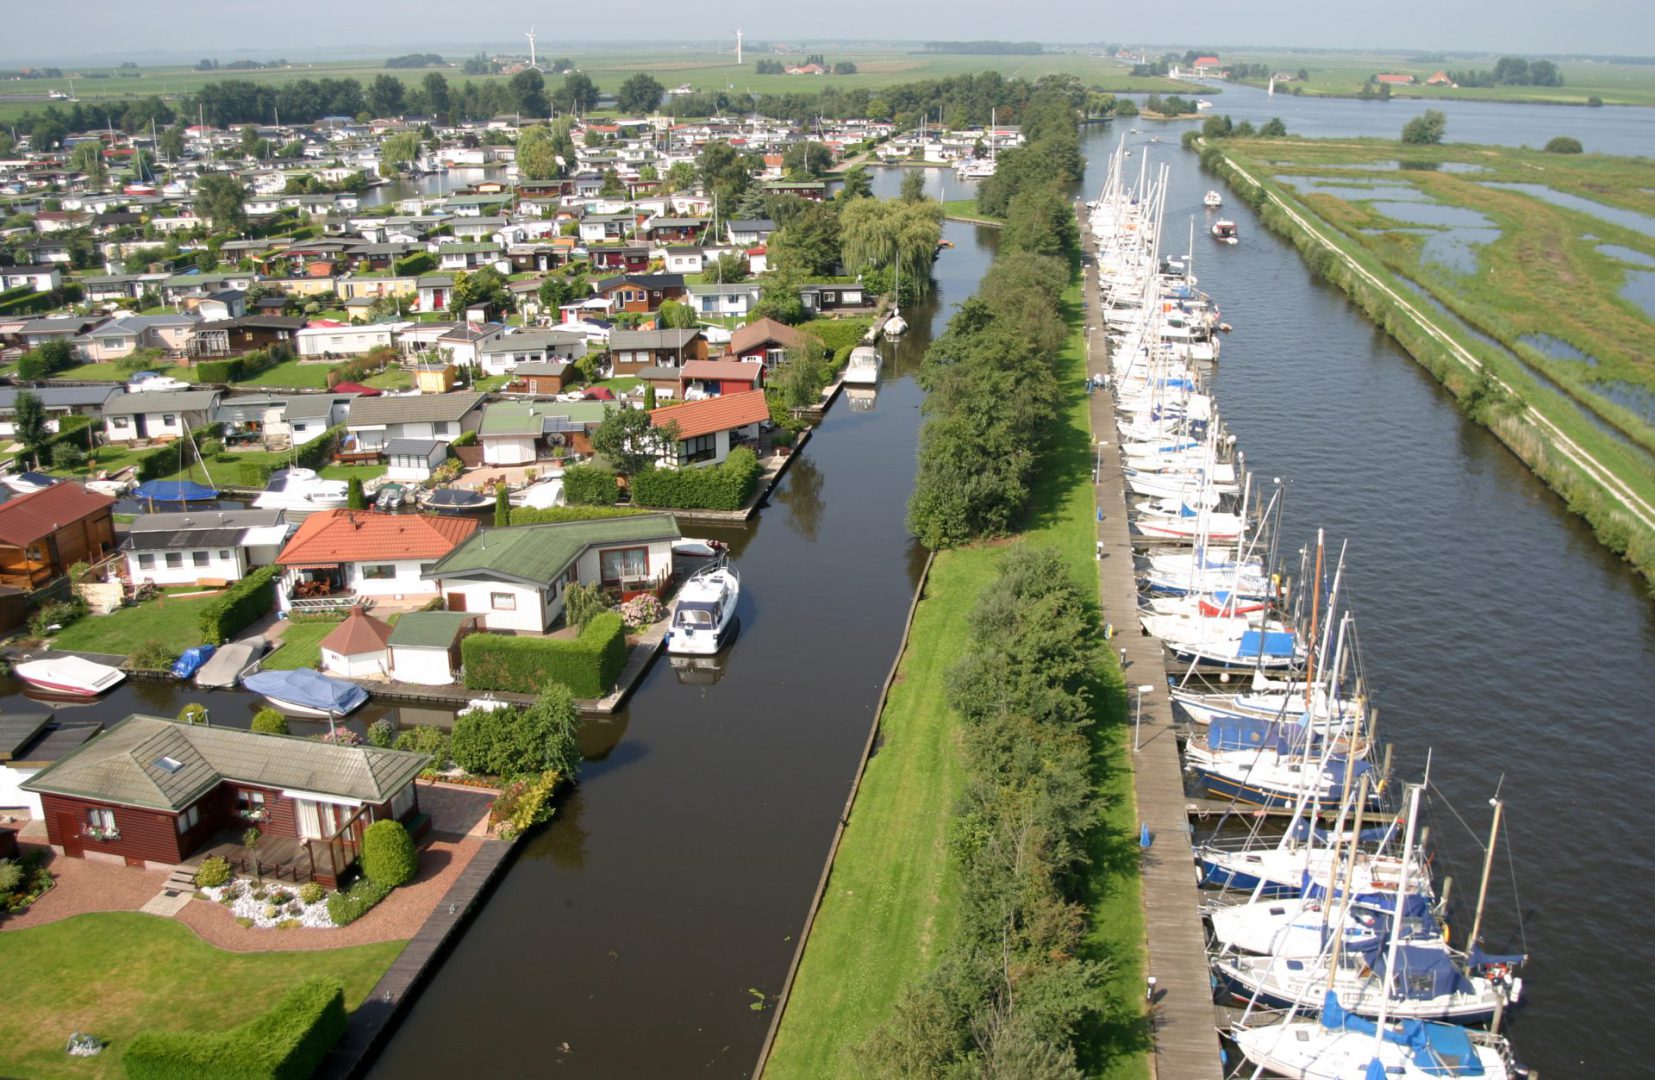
<point x="218" y="371"/>
<point x="286" y="1043"/>
<point x="243" y="604"/>
<point x="346" y="907"/>
<point x="319" y="451"/>
<point x="722" y="487"/>
<point x="588" y="665"/>
<point x="166" y="460"/>
<point x="585" y="485"/>
<point x="529" y="515"/>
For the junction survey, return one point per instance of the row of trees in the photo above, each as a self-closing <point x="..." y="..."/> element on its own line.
<point x="1512" y="71"/>
<point x="1222" y="127"/>
<point x="1014" y="986"/>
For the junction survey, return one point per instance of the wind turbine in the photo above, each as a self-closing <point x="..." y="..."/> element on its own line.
<point x="738" y="48"/>
<point x="530" y="36"/>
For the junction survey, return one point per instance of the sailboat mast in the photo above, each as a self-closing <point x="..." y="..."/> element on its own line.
<point x="1350" y="874"/>
<point x="1488" y="868"/>
<point x="1315" y="614"/>
<point x="1396" y="921"/>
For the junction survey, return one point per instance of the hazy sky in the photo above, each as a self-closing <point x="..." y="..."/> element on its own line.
<point x="159" y="30"/>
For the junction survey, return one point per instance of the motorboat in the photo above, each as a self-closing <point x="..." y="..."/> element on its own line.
<point x="1224" y="231"/>
<point x="456" y="501"/>
<point x="307" y="692"/>
<point x="27" y="483"/>
<point x="111" y="487"/>
<point x="145" y="382"/>
<point x="698" y="548"/>
<point x="390" y="496"/>
<point x="230" y="664"/>
<point x="1212" y="200"/>
<point x="863" y="367"/>
<point x="486" y="703"/>
<point x="301" y="489"/>
<point x="73" y="676"/>
<point x="542" y="494"/>
<point x="191" y="659"/>
<point x="705" y="610"/>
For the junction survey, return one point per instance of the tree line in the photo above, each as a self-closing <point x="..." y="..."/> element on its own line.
<point x="1512" y="71"/>
<point x="986" y="48"/>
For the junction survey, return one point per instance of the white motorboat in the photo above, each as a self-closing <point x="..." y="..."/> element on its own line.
<point x="705" y="610"/>
<point x="230" y="664"/>
<point x="541" y="495"/>
<point x="301" y="489"/>
<point x="863" y="367"/>
<point x="1224" y="232"/>
<point x="1213" y="200"/>
<point x="71" y="675"/>
<point x="27" y="483"/>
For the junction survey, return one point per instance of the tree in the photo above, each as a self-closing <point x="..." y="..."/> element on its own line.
<point x="728" y="268"/>
<point x="582" y="602"/>
<point x="537" y="153"/>
<point x="1273" y="128"/>
<point x="612" y="187"/>
<point x="562" y="289"/>
<point x="578" y="94"/>
<point x="222" y="200"/>
<point x="858" y="184"/>
<point x="399" y="149"/>
<point x="88" y="158"/>
<point x="807" y="159"/>
<point x="1427" y="129"/>
<point x="270" y="722"/>
<point x="639" y="94"/>
<point x="47" y="132"/>
<point x="528" y="91"/>
<point x="1564" y="144"/>
<point x="482" y="286"/>
<point x="1040" y="222"/>
<point x="435" y="87"/>
<point x="673" y="315"/>
<point x="385" y="95"/>
<point x="799" y="379"/>
<point x="725" y="174"/>
<point x="550" y="733"/>
<point x="502" y="506"/>
<point x="68" y="456"/>
<point x="43" y="360"/>
<point x="913" y="186"/>
<point x="355" y="497"/>
<point x="808" y="245"/>
<point x="679" y="176"/>
<point x="649" y="397"/>
<point x="629" y="439"/>
<point x="171" y="143"/>
<point x="30" y="421"/>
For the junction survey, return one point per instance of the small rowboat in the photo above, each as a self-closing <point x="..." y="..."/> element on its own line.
<point x="69" y="675"/>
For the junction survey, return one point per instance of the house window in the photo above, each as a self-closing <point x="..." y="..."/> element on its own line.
<point x="379" y="571"/>
<point x="101" y="822"/>
<point x="201" y="558"/>
<point x="426" y="567"/>
<point x="623" y="564"/>
<point x="146" y="561"/>
<point x="502" y="601"/>
<point x="225" y="555"/>
<point x="175" y="559"/>
<point x="188" y="820"/>
<point x="169" y="419"/>
<point x="700" y="448"/>
<point x="120" y="421"/>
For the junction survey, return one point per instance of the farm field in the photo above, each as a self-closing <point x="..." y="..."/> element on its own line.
<point x="1341" y="74"/>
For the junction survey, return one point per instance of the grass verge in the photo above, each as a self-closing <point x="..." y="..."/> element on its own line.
<point x="301" y="646"/>
<point x="169" y="619"/>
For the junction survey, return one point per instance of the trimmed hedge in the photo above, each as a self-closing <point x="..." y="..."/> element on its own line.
<point x="346" y="907"/>
<point x="584" y="485"/>
<point x="243" y="604"/>
<point x="388" y="855"/>
<point x="319" y="451"/>
<point x="588" y="665"/>
<point x="163" y="461"/>
<point x="727" y="486"/>
<point x="529" y="515"/>
<point x="286" y="1043"/>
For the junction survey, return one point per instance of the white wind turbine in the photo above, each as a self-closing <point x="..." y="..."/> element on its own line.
<point x="530" y="36"/>
<point x="738" y="48"/>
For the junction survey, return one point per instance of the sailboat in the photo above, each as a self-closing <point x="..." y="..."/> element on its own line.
<point x="896" y="325"/>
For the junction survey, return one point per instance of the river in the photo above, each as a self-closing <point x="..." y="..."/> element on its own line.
<point x="1497" y="634"/>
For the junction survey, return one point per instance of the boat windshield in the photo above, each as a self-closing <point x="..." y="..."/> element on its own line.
<point x="695" y="617"/>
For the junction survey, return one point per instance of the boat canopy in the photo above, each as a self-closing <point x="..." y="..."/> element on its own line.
<point x="1417" y="906"/>
<point x="308" y="687"/>
<point x="190" y="661"/>
<point x="1437" y="1049"/>
<point x="1230" y="732"/>
<point x="1424" y="973"/>
<point x="1266" y="643"/>
<point x="173" y="491"/>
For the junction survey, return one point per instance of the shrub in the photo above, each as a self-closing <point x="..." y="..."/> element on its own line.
<point x="153" y="655"/>
<point x="58" y="613"/>
<point x="319" y="451"/>
<point x="641" y="611"/>
<point x="525" y="803"/>
<point x="529" y="515"/>
<point x="346" y="907"/>
<point x="388" y="854"/>
<point x="286" y="1043"/>
<point x="726" y="486"/>
<point x="310" y="892"/>
<point x="1564" y="144"/>
<point x="543" y="737"/>
<point x="382" y="733"/>
<point x="253" y="475"/>
<point x="426" y="739"/>
<point x="586" y="485"/>
<point x="582" y="602"/>
<point x="270" y="722"/>
<point x="241" y="605"/>
<point x="11" y="876"/>
<point x="218" y="371"/>
<point x="588" y="665"/>
<point x="68" y="456"/>
<point x="193" y="713"/>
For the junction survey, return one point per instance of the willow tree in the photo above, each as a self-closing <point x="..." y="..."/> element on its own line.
<point x="880" y="235"/>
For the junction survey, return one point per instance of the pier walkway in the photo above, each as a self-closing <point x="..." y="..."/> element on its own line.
<point x="1181" y="1011"/>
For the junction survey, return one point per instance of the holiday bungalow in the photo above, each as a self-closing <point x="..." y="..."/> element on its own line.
<point x="515" y="578"/>
<point x="339" y="557"/>
<point x="208" y="547"/>
<point x="540" y="377"/>
<point x="374" y="422"/>
<point x="39" y="278"/>
<point x="504" y="355"/>
<point x="723" y="301"/>
<point x="58" y="402"/>
<point x="44" y="533"/>
<point x="823" y="298"/>
<point x="524" y="432"/>
<point x="766" y="341"/>
<point x="640" y="293"/>
<point x="628" y="259"/>
<point x="159" y="414"/>
<point x="750" y="231"/>
<point x="247" y="333"/>
<point x="712" y="378"/>
<point x="436" y="291"/>
<point x="632" y="350"/>
<point x="414" y="460"/>
<point x="710" y="427"/>
<point x="30" y="742"/>
<point x="126" y="334"/>
<point x="329" y="341"/>
<point x="152" y="791"/>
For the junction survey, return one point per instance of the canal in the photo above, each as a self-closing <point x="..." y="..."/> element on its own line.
<point x="1499" y="637"/>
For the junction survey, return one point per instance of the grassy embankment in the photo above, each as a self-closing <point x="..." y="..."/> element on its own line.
<point x="966" y="210"/>
<point x="1538" y="259"/>
<point x="893" y="899"/>
<point x="115" y="974"/>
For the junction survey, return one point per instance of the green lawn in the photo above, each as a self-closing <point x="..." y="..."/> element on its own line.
<point x="290" y="374"/>
<point x="892" y="901"/>
<point x="966" y="208"/>
<point x="394" y="378"/>
<point x="176" y="622"/>
<point x="301" y="646"/>
<point x="115" y="974"/>
<point x="111" y="372"/>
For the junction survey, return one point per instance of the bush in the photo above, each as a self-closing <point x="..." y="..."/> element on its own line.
<point x="726" y="486"/>
<point x="68" y="456"/>
<point x="426" y="739"/>
<point x="243" y="604"/>
<point x="286" y="1043"/>
<point x="193" y="713"/>
<point x="586" y="485"/>
<point x="588" y="665"/>
<point x="319" y="451"/>
<point x="11" y="876"/>
<point x="346" y="907"/>
<point x="524" y="804"/>
<point x="57" y="613"/>
<point x="1563" y="144"/>
<point x="529" y="515"/>
<point x="252" y="474"/>
<point x="582" y="602"/>
<point x="154" y="655"/>
<point x="270" y="722"/>
<point x="521" y="742"/>
<point x="382" y="733"/>
<point x="212" y="872"/>
<point x="218" y="371"/>
<point x="388" y="854"/>
<point x="310" y="892"/>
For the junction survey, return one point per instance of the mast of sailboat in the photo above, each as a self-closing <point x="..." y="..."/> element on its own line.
<point x="1315" y="614"/>
<point x="1350" y="874"/>
<point x="1488" y="867"/>
<point x="1396" y="921"/>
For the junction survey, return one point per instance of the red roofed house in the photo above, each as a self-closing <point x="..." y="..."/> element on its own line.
<point x="713" y="378"/>
<point x="1205" y="63"/>
<point x="766" y="341"/>
<point x="1441" y="78"/>
<point x="708" y="428"/>
<point x="1396" y="80"/>
<point x="46" y="532"/>
<point x="340" y="557"/>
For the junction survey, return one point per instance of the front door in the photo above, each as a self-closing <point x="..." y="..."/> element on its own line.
<point x="68" y="833"/>
<point x="456" y="601"/>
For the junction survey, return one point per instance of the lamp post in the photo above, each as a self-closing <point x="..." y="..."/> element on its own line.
<point x="1137" y="725"/>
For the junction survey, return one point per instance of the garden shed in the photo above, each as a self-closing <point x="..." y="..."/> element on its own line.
<point x="357" y="648"/>
<point x="425" y="646"/>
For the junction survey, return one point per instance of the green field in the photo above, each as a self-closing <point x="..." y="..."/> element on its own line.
<point x="892" y="900"/>
<point x="1341" y="74"/>
<point x="115" y="974"/>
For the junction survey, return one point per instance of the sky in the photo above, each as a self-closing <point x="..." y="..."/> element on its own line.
<point x="162" y="31"/>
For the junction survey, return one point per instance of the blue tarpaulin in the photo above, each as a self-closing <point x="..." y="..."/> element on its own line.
<point x="307" y="688"/>
<point x="1266" y="643"/>
<point x="173" y="491"/>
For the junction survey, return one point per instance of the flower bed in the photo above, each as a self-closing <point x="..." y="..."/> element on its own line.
<point x="238" y="894"/>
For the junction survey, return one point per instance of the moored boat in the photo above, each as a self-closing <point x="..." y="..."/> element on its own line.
<point x="74" y="676"/>
<point x="863" y="366"/>
<point x="302" y="489"/>
<point x="705" y="610"/>
<point x="307" y="692"/>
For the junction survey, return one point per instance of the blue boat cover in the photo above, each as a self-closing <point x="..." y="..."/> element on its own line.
<point x="191" y="660"/>
<point x="1423" y="973"/>
<point x="1416" y="906"/>
<point x="39" y="479"/>
<point x="173" y="491"/>
<point x="308" y="687"/>
<point x="1437" y="1049"/>
<point x="1266" y="643"/>
<point x="1301" y="830"/>
<point x="1230" y="732"/>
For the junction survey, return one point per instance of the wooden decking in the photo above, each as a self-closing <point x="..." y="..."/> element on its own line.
<point x="1181" y="1016"/>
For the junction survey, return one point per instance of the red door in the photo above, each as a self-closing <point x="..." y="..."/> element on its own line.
<point x="456" y="601"/>
<point x="68" y="833"/>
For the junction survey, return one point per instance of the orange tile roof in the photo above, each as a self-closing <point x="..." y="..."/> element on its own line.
<point x="359" y="633"/>
<point x="714" y="414"/>
<point x="340" y="536"/>
<point x="28" y="518"/>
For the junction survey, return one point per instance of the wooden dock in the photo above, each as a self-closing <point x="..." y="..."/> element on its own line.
<point x="374" y="1020"/>
<point x="1181" y="1010"/>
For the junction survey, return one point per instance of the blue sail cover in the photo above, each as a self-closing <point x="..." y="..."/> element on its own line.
<point x="191" y="660"/>
<point x="1266" y="643"/>
<point x="1437" y="1049"/>
<point x="173" y="491"/>
<point x="1302" y="830"/>
<point x="1230" y="732"/>
<point x="1415" y="907"/>
<point x="308" y="687"/>
<point x="1423" y="973"/>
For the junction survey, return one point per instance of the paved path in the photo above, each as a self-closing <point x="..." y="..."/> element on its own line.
<point x="1186" y="1040"/>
